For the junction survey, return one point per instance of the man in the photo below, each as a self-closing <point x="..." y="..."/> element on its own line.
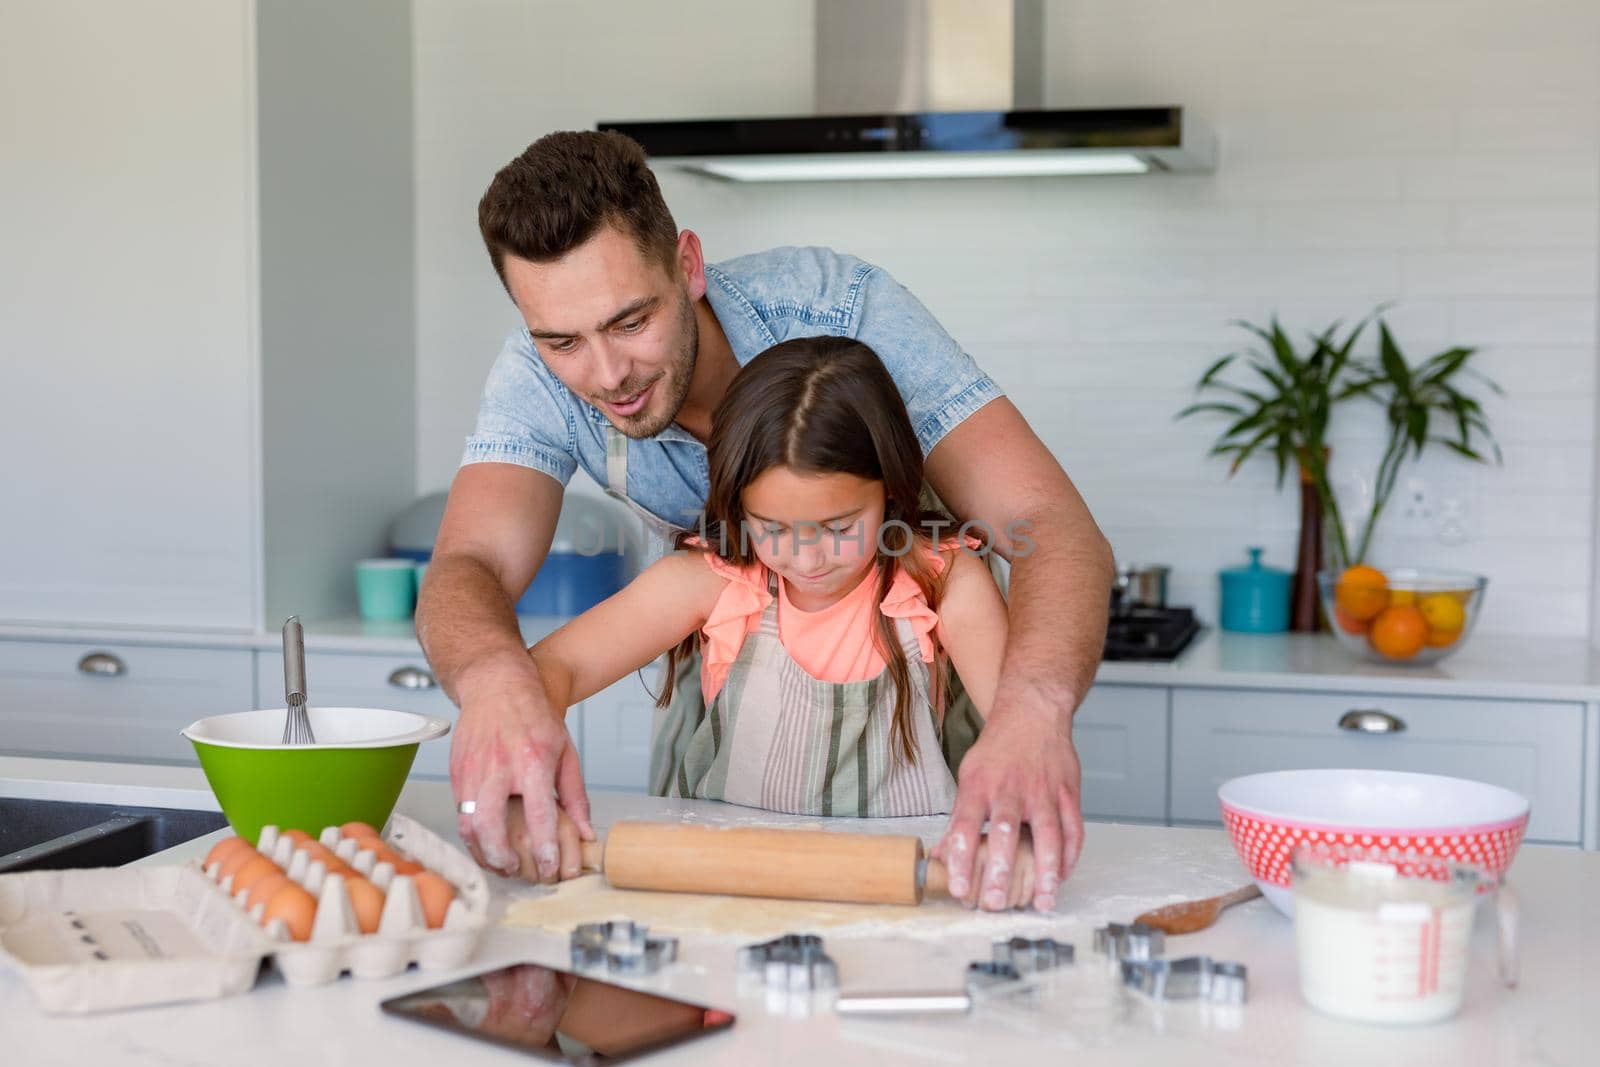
<point x="631" y="340"/>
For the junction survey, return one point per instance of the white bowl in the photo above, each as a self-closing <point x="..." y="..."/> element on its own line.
<point x="332" y="727"/>
<point x="1268" y="815"/>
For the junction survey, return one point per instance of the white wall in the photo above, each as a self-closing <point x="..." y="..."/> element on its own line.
<point x="337" y="394"/>
<point x="1442" y="154"/>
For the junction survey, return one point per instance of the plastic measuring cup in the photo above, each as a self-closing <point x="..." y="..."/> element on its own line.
<point x="1383" y="937"/>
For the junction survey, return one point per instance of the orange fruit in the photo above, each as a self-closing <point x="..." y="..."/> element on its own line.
<point x="1442" y="638"/>
<point x="1443" y="612"/>
<point x="1399" y="633"/>
<point x="1362" y="592"/>
<point x="1401" y="597"/>
<point x="1348" y="623"/>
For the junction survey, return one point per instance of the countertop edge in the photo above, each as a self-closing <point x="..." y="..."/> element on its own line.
<point x="1216" y="660"/>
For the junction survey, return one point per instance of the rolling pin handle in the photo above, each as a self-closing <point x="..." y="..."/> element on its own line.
<point x="594" y="855"/>
<point x="932" y="877"/>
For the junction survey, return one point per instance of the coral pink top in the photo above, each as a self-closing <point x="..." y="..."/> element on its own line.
<point x="835" y="644"/>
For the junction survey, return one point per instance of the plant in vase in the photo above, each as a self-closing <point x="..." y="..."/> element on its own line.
<point x="1410" y="615"/>
<point x="1286" y="409"/>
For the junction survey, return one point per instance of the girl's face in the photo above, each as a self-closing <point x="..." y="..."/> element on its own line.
<point x="818" y="532"/>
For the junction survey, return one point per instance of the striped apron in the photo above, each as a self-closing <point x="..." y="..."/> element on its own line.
<point x="775" y="737"/>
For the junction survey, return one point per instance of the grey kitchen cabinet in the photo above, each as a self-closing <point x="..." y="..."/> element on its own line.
<point x="115" y="701"/>
<point x="1120" y="732"/>
<point x="1532" y="747"/>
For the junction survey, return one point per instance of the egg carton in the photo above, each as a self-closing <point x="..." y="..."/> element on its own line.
<point x="337" y="945"/>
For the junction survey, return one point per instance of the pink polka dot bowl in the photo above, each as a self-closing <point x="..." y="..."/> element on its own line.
<point x="1269" y="815"/>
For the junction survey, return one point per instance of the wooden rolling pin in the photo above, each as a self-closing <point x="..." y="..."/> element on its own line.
<point x="759" y="862"/>
<point x="766" y="862"/>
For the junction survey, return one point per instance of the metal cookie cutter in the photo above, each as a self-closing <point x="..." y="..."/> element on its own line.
<point x="621" y="947"/>
<point x="795" y="963"/>
<point x="985" y="975"/>
<point x="1135" y="941"/>
<point x="1190" y="978"/>
<point x="1031" y="957"/>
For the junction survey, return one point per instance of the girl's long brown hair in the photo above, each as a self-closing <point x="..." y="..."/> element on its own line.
<point x="824" y="405"/>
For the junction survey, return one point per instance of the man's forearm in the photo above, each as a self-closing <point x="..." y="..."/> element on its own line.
<point x="1059" y="594"/>
<point x="464" y="617"/>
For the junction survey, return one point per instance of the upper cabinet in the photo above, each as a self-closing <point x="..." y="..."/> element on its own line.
<point x="205" y="307"/>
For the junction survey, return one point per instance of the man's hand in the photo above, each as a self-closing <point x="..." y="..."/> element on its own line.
<point x="509" y="740"/>
<point x="1021" y="772"/>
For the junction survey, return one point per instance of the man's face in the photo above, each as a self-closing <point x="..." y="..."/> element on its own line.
<point x="617" y="328"/>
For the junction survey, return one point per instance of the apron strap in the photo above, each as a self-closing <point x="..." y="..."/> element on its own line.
<point x="616" y="462"/>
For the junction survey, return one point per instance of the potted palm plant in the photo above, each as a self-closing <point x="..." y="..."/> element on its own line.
<point x="1285" y="406"/>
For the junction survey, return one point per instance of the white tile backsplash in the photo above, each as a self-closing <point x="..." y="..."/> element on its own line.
<point x="1444" y="154"/>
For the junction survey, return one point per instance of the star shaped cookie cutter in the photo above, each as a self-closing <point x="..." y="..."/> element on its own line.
<point x="620" y="947"/>
<point x="793" y="963"/>
<point x="1189" y="978"/>
<point x="1134" y="941"/>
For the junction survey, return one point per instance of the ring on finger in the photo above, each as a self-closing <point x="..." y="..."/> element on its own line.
<point x="467" y="807"/>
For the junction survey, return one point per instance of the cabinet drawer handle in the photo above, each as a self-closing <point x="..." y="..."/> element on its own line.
<point x="412" y="678"/>
<point x="1371" y="721"/>
<point x="102" y="663"/>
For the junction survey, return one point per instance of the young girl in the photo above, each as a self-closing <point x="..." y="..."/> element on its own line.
<point x="822" y="606"/>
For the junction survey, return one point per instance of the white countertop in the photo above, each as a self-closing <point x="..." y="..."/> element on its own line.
<point x="147" y="785"/>
<point x="1488" y="666"/>
<point x="1551" y="1019"/>
<point x="1551" y="668"/>
<point x="322" y="635"/>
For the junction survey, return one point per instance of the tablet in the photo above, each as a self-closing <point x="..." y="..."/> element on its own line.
<point x="559" y="1016"/>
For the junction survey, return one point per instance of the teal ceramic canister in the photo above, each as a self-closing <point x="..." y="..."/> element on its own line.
<point x="1255" y="599"/>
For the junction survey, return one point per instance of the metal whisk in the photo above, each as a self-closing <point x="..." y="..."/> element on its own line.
<point x="296" y="725"/>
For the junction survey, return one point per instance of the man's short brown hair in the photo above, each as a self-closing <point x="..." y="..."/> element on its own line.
<point x="563" y="188"/>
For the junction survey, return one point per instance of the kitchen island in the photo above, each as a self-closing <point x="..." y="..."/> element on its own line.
<point x="1550" y="1019"/>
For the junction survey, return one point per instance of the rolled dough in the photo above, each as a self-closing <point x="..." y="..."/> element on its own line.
<point x="590" y="899"/>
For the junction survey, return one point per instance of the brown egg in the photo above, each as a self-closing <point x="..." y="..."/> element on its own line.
<point x="359" y="831"/>
<point x="223" y="849"/>
<point x="263" y="888"/>
<point x="436" y="895"/>
<point x="330" y="860"/>
<point x="296" y="907"/>
<point x="401" y="865"/>
<point x="366" y="900"/>
<point x="299" y="837"/>
<point x="236" y="859"/>
<point x="253" y="871"/>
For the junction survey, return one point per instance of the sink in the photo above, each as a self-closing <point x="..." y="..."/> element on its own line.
<point x="39" y="835"/>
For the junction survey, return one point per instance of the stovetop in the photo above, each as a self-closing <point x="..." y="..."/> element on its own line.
<point x="1150" y="633"/>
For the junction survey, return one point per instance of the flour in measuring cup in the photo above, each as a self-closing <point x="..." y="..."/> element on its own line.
<point x="1378" y="947"/>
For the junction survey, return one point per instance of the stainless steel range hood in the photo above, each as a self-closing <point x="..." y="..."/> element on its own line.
<point x="929" y="89"/>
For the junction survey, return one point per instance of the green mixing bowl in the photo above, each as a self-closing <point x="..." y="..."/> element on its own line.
<point x="353" y="773"/>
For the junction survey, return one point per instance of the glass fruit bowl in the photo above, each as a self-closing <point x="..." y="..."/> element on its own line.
<point x="1402" y="615"/>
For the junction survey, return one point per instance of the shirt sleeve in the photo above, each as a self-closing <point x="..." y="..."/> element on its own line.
<point x="941" y="384"/>
<point x="526" y="416"/>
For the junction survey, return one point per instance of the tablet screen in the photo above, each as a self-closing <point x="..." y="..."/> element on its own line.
<point x="558" y="1015"/>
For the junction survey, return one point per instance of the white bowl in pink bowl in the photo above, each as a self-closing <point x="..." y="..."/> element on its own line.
<point x="1269" y="815"/>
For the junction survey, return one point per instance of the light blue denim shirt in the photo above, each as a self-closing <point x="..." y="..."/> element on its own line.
<point x="527" y="417"/>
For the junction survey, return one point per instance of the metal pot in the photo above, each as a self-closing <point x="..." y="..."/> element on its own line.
<point x="1142" y="587"/>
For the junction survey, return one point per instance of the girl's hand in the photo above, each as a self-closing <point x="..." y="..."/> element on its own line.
<point x="568" y="839"/>
<point x="1021" y="883"/>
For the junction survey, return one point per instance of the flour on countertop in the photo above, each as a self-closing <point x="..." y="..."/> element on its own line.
<point x="1097" y="893"/>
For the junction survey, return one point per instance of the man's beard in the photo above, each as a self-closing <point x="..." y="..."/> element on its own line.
<point x="674" y="384"/>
